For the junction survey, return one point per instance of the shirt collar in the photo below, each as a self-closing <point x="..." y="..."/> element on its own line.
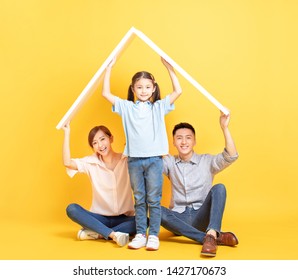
<point x="94" y="159"/>
<point x="145" y="102"/>
<point x="195" y="158"/>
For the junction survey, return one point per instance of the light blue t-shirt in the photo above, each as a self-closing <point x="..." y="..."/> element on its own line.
<point x="144" y="126"/>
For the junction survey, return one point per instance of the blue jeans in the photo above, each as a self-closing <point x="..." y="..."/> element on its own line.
<point x="103" y="225"/>
<point x="146" y="181"/>
<point x="195" y="223"/>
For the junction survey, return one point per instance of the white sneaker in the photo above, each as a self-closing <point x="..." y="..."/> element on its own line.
<point x="85" y="234"/>
<point x="121" y="238"/>
<point x="138" y="242"/>
<point x="152" y="243"/>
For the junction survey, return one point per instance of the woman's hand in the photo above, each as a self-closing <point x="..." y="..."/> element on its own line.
<point x="112" y="62"/>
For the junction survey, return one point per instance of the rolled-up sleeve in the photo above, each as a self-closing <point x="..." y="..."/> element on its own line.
<point x="222" y="160"/>
<point x="229" y="158"/>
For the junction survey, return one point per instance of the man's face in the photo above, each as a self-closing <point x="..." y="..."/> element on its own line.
<point x="184" y="141"/>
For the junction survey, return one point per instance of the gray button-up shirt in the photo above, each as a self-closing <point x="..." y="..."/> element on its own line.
<point x="192" y="180"/>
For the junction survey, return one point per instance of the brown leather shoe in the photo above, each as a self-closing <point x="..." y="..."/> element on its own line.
<point x="227" y="239"/>
<point x="209" y="246"/>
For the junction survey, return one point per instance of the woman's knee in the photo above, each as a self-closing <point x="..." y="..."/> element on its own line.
<point x="72" y="209"/>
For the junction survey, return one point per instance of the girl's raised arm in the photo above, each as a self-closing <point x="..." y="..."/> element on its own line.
<point x="175" y="82"/>
<point x="106" y="91"/>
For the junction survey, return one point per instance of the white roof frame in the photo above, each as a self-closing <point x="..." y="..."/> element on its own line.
<point x="94" y="82"/>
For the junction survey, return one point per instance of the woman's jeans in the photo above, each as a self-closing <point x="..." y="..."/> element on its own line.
<point x="103" y="225"/>
<point x="195" y="223"/>
<point x="146" y="180"/>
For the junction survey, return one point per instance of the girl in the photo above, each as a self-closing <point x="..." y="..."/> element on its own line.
<point x="111" y="214"/>
<point x="146" y="142"/>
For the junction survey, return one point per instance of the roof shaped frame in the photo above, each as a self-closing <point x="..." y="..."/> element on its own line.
<point x="94" y="82"/>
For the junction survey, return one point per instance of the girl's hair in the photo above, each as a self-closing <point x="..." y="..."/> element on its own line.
<point x="94" y="130"/>
<point x="145" y="75"/>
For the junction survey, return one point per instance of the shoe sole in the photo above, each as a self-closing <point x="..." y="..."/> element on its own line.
<point x="86" y="238"/>
<point x="208" y="254"/>
<point x="124" y="240"/>
<point x="134" y="248"/>
<point x="151" y="249"/>
<point x="92" y="236"/>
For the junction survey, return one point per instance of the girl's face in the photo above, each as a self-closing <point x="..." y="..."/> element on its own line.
<point x="102" y="143"/>
<point x="143" y="89"/>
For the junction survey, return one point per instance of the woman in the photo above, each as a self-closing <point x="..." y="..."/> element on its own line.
<point x="111" y="214"/>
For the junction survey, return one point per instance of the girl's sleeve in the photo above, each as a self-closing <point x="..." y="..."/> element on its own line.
<point x="168" y="107"/>
<point x="119" y="105"/>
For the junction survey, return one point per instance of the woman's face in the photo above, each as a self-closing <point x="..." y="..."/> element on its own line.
<point x="102" y="143"/>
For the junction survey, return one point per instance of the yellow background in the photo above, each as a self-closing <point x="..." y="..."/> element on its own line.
<point x="243" y="52"/>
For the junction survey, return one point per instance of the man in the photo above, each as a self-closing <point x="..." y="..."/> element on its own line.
<point x="197" y="207"/>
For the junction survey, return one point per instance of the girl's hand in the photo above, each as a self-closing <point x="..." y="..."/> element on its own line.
<point x="166" y="64"/>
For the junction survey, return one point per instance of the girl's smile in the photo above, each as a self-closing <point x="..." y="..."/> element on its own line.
<point x="143" y="89"/>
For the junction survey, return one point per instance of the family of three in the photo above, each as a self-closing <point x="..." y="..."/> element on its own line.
<point x="127" y="188"/>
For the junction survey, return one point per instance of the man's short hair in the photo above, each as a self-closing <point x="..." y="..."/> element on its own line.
<point x="183" y="125"/>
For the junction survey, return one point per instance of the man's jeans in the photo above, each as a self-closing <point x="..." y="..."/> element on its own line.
<point x="146" y="180"/>
<point x="103" y="225"/>
<point x="195" y="223"/>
